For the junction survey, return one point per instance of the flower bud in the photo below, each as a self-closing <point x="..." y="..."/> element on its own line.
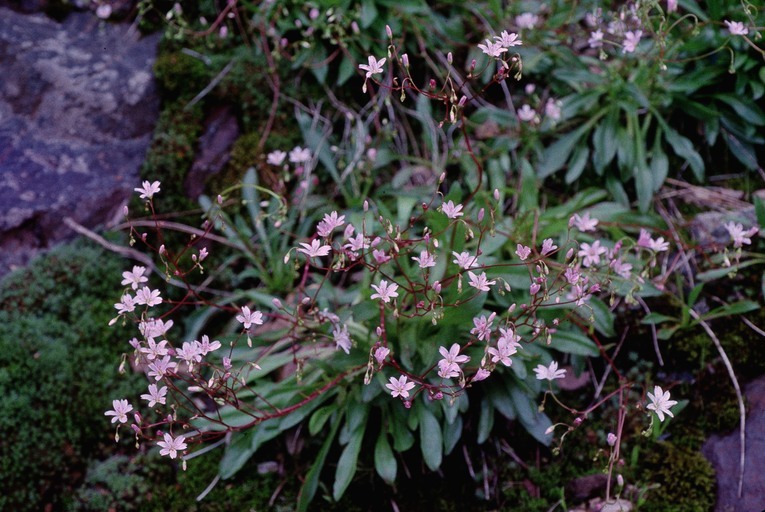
<point x="481" y="213"/>
<point x="405" y="60"/>
<point x="389" y="31"/>
<point x="449" y="58"/>
<point x="432" y="83"/>
<point x="611" y="439"/>
<point x="220" y="199"/>
<point x="276" y="303"/>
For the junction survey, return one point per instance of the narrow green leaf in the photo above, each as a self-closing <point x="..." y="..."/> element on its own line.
<point x="311" y="483"/>
<point x="452" y="435"/>
<point x="556" y="155"/>
<point x="745" y="109"/>
<point x="385" y="461"/>
<point x="486" y="420"/>
<point x="684" y="148"/>
<point x="319" y="418"/>
<point x="346" y="465"/>
<point x="657" y="318"/>
<point x="573" y="342"/>
<point x="431" y="440"/>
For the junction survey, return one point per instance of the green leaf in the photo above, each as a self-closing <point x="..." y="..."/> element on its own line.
<point x="452" y="434"/>
<point x="319" y="418"/>
<point x="533" y="421"/>
<point x="556" y="155"/>
<point x="604" y="141"/>
<point x="368" y="13"/>
<point x="737" y="308"/>
<point x="604" y="318"/>
<point x="385" y="461"/>
<point x="311" y="483"/>
<point x="238" y="452"/>
<point x="745" y="109"/>
<point x="684" y="148"/>
<point x="657" y="318"/>
<point x="345" y="72"/>
<point x="577" y="163"/>
<point x="573" y="342"/>
<point x="485" y="420"/>
<point x="431" y="440"/>
<point x="346" y="465"/>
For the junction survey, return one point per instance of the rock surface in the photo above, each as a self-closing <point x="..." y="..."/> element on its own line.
<point x="78" y="106"/>
<point x="723" y="453"/>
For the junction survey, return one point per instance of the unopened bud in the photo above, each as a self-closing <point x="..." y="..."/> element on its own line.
<point x="432" y="83"/>
<point x="405" y="60"/>
<point x="388" y="31"/>
<point x="472" y="65"/>
<point x="496" y="194"/>
<point x="463" y="100"/>
<point x="578" y="421"/>
<point x="437" y="287"/>
<point x="620" y="480"/>
<point x="276" y="303"/>
<point x="550" y="430"/>
<point x="449" y="58"/>
<point x="611" y="439"/>
<point x="441" y="178"/>
<point x="125" y="210"/>
<point x="366" y="205"/>
<point x="570" y="253"/>
<point x="481" y="213"/>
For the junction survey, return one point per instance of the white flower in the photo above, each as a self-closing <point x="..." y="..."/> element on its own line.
<point x="148" y="297"/>
<point x="526" y="113"/>
<point x="508" y="40"/>
<point x="375" y="66"/>
<point x="660" y="403"/>
<point x="736" y="28"/>
<point x="206" y="346"/>
<point x="328" y="224"/>
<point x="120" y="410"/>
<point x="526" y="20"/>
<point x="492" y="49"/>
<point x="134" y="278"/>
<point x="299" y="155"/>
<point x="148" y="189"/>
<point x="276" y="157"/>
<point x="549" y="372"/>
<point x="171" y="446"/>
<point x="737" y="234"/>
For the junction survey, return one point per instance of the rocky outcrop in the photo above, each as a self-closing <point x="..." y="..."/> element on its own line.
<point x="723" y="452"/>
<point x="78" y="105"/>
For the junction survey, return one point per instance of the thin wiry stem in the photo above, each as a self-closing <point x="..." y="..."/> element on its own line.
<point x="739" y="397"/>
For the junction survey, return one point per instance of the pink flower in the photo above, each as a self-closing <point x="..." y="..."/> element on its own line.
<point x="526" y="113"/>
<point x="126" y="304"/>
<point x="134" y="278"/>
<point x="596" y="39"/>
<point x="342" y="338"/>
<point x="206" y="346"/>
<point x="155" y="396"/>
<point x="425" y="259"/>
<point x="465" y="260"/>
<point x="451" y="210"/>
<point x="506" y="347"/>
<point x="120" y="410"/>
<point x="522" y="251"/>
<point x="737" y="234"/>
<point x="148" y="297"/>
<point x="248" y="318"/>
<point x="328" y="224"/>
<point x="590" y="254"/>
<point x="155" y="350"/>
<point x="385" y="291"/>
<point x="314" y="249"/>
<point x="736" y="28"/>
<point x="161" y="367"/>
<point x="171" y="446"/>
<point x="480" y="283"/>
<point x="671" y="5"/>
<point x="399" y="387"/>
<point x="380" y="354"/>
<point x="526" y="20"/>
<point x="631" y="40"/>
<point x="583" y="223"/>
<point x="548" y="246"/>
<point x="482" y="328"/>
<point x="492" y="49"/>
<point x="508" y="40"/>
<point x="374" y="67"/>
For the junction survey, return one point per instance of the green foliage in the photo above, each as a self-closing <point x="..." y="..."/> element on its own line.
<point x="687" y="480"/>
<point x="55" y="352"/>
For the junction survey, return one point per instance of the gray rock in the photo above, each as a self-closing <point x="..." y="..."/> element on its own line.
<point x="723" y="453"/>
<point x="78" y="105"/>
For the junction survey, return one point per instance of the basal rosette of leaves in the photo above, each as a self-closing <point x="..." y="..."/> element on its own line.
<point x="373" y="312"/>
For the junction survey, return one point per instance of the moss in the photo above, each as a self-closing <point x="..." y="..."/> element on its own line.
<point x="181" y="76"/>
<point x="55" y="351"/>
<point x="687" y="480"/>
